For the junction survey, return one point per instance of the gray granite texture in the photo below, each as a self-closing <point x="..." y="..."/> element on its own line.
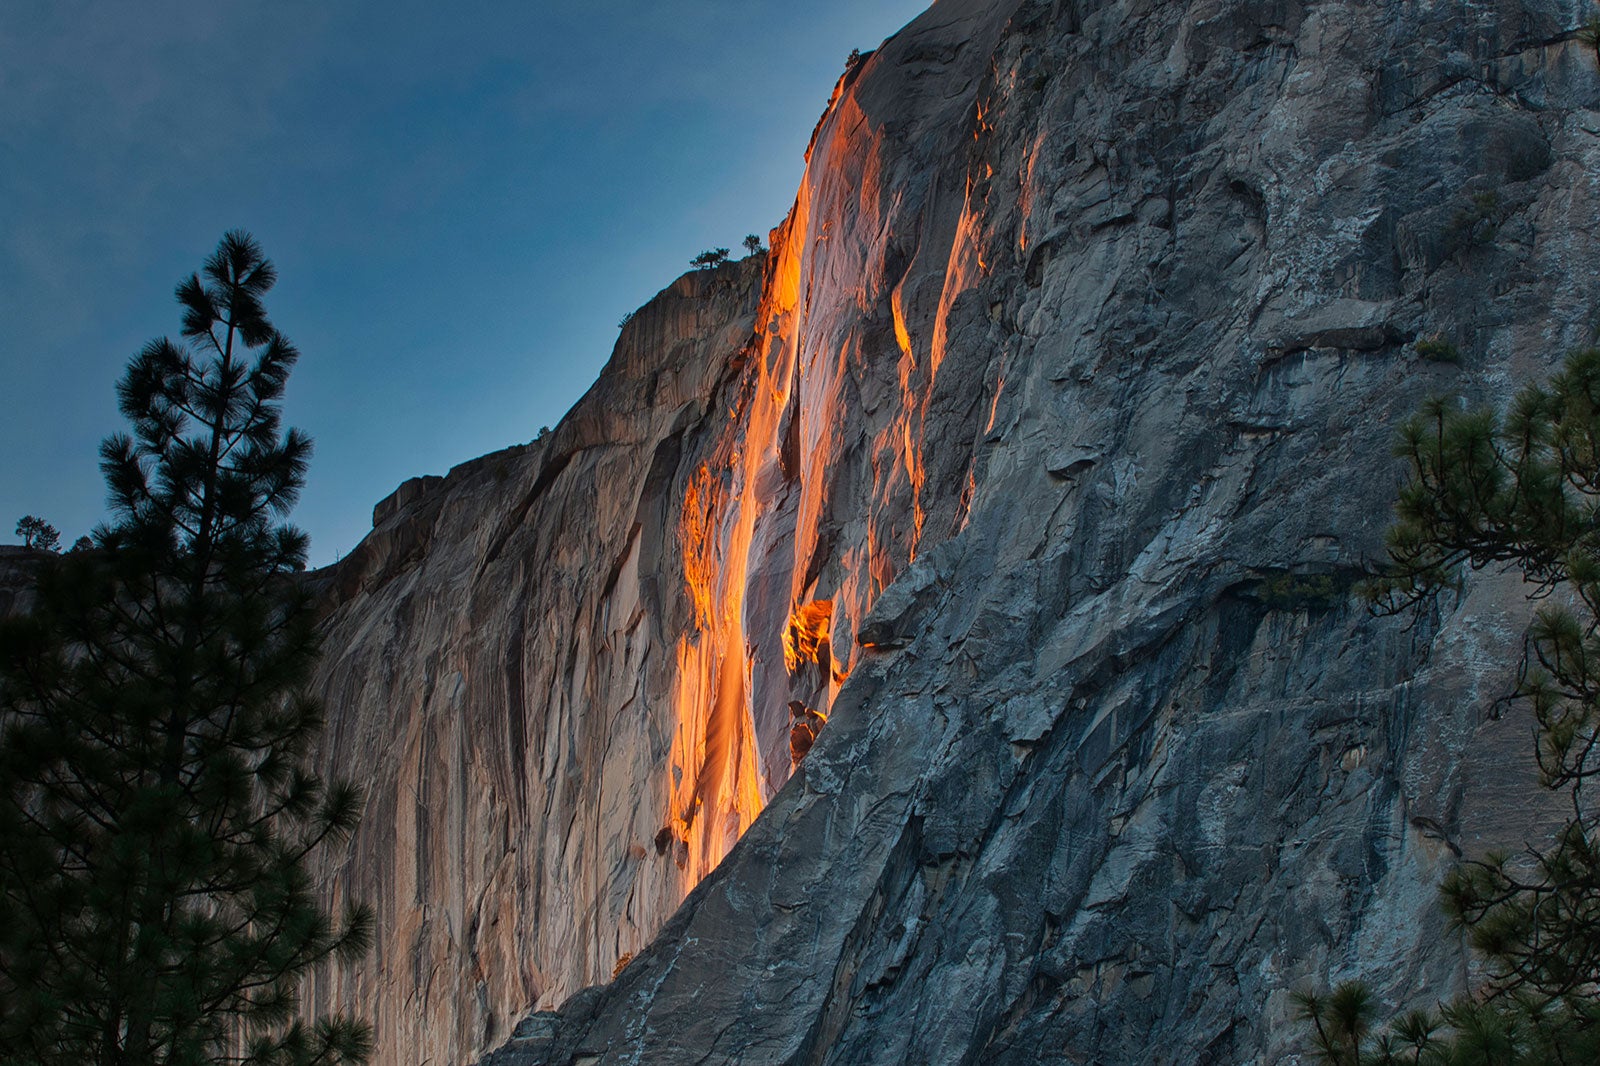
<point x="1068" y="388"/>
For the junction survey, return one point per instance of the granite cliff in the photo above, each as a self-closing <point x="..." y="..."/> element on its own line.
<point x="1038" y="457"/>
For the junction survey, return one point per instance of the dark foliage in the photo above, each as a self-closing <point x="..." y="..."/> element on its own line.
<point x="1438" y="350"/>
<point x="1477" y="223"/>
<point x="37" y="533"/>
<point x="157" y="805"/>
<point x="1521" y="491"/>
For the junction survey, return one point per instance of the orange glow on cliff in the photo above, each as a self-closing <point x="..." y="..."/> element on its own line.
<point x="806" y="637"/>
<point x="968" y="491"/>
<point x="714" y="795"/>
<point x="1025" y="184"/>
<point x="901" y="335"/>
<point x="994" y="404"/>
<point x="780" y="556"/>
<point x="694" y="532"/>
<point x="715" y="788"/>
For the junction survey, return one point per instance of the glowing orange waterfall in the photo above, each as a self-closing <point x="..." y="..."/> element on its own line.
<point x="775" y="599"/>
<point x="716" y="786"/>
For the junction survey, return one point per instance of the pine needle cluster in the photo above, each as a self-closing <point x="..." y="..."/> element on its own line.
<point x="157" y="800"/>
<point x="1518" y="490"/>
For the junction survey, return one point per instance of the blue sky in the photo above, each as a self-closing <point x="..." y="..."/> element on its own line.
<point x="462" y="201"/>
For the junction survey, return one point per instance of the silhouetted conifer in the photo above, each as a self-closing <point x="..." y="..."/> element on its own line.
<point x="157" y="804"/>
<point x="37" y="533"/>
<point x="1519" y="490"/>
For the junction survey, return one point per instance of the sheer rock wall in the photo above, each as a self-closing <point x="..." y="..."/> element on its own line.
<point x="498" y="671"/>
<point x="1068" y="386"/>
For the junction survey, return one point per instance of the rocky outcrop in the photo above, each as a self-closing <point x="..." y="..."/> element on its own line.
<point x="19" y="572"/>
<point x="1068" y="387"/>
<point x="501" y="672"/>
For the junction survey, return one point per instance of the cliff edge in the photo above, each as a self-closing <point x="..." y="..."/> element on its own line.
<point x="1037" y="459"/>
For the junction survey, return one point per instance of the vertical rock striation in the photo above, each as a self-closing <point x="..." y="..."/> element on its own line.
<point x="500" y="670"/>
<point x="1038" y="456"/>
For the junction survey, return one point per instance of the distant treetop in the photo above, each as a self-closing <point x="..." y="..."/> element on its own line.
<point x="37" y="533"/>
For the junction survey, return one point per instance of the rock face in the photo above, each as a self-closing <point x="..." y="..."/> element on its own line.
<point x="18" y="572"/>
<point x="1038" y="457"/>
<point x="503" y="669"/>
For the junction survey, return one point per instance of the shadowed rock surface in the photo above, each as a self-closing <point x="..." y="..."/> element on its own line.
<point x="1068" y="385"/>
<point x="19" y="568"/>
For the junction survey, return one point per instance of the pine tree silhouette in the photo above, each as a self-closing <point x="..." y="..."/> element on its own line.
<point x="157" y="805"/>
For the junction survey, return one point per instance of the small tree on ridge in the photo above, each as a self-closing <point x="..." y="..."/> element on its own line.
<point x="37" y="533"/>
